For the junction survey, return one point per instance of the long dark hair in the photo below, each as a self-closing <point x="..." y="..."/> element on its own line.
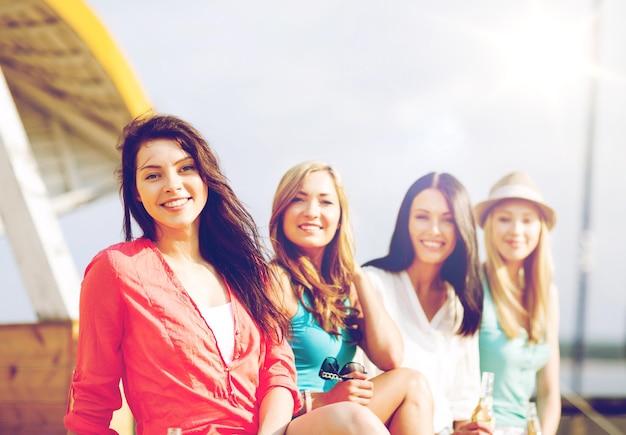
<point x="228" y="235"/>
<point x="462" y="268"/>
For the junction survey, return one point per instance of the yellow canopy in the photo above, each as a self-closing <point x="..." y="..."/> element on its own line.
<point x="74" y="92"/>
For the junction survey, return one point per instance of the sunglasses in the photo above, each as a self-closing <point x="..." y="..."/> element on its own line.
<point x="330" y="369"/>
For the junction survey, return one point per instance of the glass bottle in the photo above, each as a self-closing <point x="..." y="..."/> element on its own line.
<point x="484" y="410"/>
<point x="174" y="431"/>
<point x="532" y="420"/>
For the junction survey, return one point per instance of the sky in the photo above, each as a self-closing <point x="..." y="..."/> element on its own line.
<point x="386" y="92"/>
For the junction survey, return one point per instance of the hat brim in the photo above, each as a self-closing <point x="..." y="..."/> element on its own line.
<point x="482" y="210"/>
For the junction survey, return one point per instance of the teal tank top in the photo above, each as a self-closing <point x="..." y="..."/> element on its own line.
<point x="514" y="362"/>
<point x="311" y="344"/>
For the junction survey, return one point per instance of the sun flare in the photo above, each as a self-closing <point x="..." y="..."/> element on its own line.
<point x="544" y="53"/>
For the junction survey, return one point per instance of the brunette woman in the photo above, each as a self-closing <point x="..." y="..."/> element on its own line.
<point x="430" y="285"/>
<point x="181" y="315"/>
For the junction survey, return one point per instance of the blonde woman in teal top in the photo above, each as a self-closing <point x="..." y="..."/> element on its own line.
<point x="518" y="336"/>
<point x="514" y="362"/>
<point x="333" y="307"/>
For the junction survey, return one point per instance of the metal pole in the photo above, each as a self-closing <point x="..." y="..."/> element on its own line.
<point x="586" y="233"/>
<point x="43" y="257"/>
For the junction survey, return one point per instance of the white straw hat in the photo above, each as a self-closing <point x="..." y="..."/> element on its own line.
<point x="516" y="185"/>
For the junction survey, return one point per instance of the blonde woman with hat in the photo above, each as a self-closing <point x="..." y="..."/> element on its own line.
<point x="518" y="336"/>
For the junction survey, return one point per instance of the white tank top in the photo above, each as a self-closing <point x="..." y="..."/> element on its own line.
<point x="220" y="320"/>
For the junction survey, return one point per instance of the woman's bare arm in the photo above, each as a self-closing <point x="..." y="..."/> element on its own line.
<point x="382" y="340"/>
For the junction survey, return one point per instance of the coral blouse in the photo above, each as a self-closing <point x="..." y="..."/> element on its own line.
<point x="138" y="324"/>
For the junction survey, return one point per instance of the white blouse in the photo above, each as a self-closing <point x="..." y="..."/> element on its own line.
<point x="449" y="361"/>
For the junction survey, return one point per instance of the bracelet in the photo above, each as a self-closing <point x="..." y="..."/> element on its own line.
<point x="305" y="398"/>
<point x="308" y="405"/>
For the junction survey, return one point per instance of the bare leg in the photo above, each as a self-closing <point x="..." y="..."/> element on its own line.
<point x="342" y="418"/>
<point x="403" y="401"/>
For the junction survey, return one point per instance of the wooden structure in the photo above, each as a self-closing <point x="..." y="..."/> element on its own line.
<point x="65" y="93"/>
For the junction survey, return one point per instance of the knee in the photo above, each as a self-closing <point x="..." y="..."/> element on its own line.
<point x="354" y="419"/>
<point x="417" y="387"/>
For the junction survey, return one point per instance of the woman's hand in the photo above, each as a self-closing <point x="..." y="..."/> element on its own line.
<point x="472" y="428"/>
<point x="357" y="389"/>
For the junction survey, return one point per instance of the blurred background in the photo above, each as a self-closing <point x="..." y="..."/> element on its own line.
<point x="386" y="93"/>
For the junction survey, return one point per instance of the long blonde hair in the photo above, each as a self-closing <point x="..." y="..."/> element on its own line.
<point x="534" y="281"/>
<point x="329" y="288"/>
